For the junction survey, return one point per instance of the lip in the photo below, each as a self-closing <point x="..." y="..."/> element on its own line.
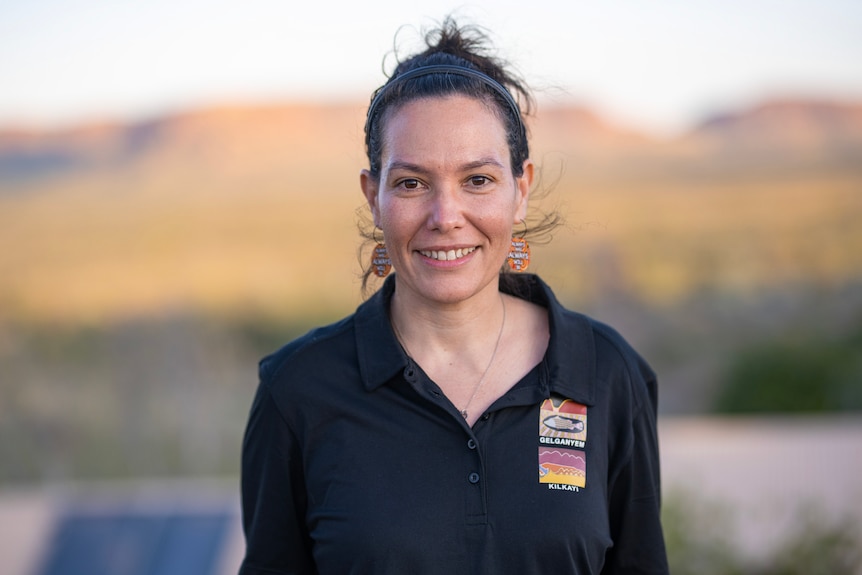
<point x="447" y="255"/>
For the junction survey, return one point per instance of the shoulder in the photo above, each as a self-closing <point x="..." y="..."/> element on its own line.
<point x="586" y="356"/>
<point x="314" y="350"/>
<point x="618" y="361"/>
<point x="613" y="349"/>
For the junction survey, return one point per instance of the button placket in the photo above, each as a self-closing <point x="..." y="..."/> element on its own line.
<point x="474" y="474"/>
<point x="477" y="513"/>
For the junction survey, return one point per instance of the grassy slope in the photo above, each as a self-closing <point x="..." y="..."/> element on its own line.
<point x="106" y="247"/>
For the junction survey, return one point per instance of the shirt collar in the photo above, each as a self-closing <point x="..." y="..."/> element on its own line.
<point x="380" y="354"/>
<point x="569" y="361"/>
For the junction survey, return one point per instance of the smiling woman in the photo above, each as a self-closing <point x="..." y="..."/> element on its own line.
<point x="461" y="421"/>
<point x="446" y="199"/>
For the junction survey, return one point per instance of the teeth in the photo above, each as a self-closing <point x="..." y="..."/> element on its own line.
<point x="446" y="256"/>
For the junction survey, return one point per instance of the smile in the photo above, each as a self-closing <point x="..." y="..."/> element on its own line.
<point x="447" y="256"/>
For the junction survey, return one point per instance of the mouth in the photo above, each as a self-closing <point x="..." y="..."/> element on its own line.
<point x="447" y="255"/>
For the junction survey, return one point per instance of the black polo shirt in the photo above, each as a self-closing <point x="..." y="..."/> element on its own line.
<point x="355" y="462"/>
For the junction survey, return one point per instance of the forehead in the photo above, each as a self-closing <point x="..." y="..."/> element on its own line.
<point x="439" y="126"/>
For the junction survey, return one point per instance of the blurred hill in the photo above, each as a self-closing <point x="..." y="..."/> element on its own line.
<point x="783" y="131"/>
<point x="145" y="266"/>
<point x="275" y="138"/>
<point x="230" y="139"/>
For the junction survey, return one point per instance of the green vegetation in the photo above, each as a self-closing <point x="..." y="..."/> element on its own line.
<point x="795" y="375"/>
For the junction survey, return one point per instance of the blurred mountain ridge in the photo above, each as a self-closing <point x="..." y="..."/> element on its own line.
<point x="224" y="138"/>
<point x="812" y="129"/>
<point x="248" y="139"/>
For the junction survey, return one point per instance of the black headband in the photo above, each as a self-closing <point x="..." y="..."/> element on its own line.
<point x="445" y="69"/>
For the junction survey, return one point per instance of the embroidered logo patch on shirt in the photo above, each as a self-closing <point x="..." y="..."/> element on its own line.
<point x="562" y="440"/>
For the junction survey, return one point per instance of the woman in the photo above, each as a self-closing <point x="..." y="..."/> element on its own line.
<point x="461" y="421"/>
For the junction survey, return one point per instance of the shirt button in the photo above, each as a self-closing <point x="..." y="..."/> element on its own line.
<point x="486" y="416"/>
<point x="473" y="478"/>
<point x="471" y="444"/>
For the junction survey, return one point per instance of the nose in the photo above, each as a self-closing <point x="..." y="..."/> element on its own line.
<point x="447" y="209"/>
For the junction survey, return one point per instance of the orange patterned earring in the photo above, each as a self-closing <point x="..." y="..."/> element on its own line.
<point x="519" y="253"/>
<point x="381" y="265"/>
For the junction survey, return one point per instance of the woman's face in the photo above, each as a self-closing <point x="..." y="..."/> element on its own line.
<point x="446" y="198"/>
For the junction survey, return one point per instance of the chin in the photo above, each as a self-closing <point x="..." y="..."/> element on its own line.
<point x="450" y="291"/>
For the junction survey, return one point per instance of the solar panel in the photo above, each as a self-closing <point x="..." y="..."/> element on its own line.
<point x="135" y="542"/>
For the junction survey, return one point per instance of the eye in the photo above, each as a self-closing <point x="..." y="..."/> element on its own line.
<point x="479" y="181"/>
<point x="409" y="184"/>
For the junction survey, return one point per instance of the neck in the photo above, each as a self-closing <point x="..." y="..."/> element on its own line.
<point x="446" y="326"/>
<point x="461" y="346"/>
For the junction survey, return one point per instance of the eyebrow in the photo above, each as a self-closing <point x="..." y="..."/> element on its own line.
<point x="411" y="167"/>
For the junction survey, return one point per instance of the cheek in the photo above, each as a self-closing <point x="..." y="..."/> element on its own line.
<point x="395" y="220"/>
<point x="386" y="213"/>
<point x="506" y="218"/>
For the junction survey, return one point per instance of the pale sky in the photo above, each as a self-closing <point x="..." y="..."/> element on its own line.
<point x="652" y="64"/>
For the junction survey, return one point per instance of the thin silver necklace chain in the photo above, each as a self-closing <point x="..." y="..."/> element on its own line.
<point x="464" y="412"/>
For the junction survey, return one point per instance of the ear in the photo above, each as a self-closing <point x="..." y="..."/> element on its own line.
<point x="524" y="183"/>
<point x="370" y="185"/>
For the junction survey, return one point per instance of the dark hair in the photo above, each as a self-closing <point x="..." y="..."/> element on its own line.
<point x="466" y="47"/>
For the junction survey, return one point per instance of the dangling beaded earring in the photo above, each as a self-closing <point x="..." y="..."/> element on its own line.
<point x="519" y="253"/>
<point x="380" y="262"/>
